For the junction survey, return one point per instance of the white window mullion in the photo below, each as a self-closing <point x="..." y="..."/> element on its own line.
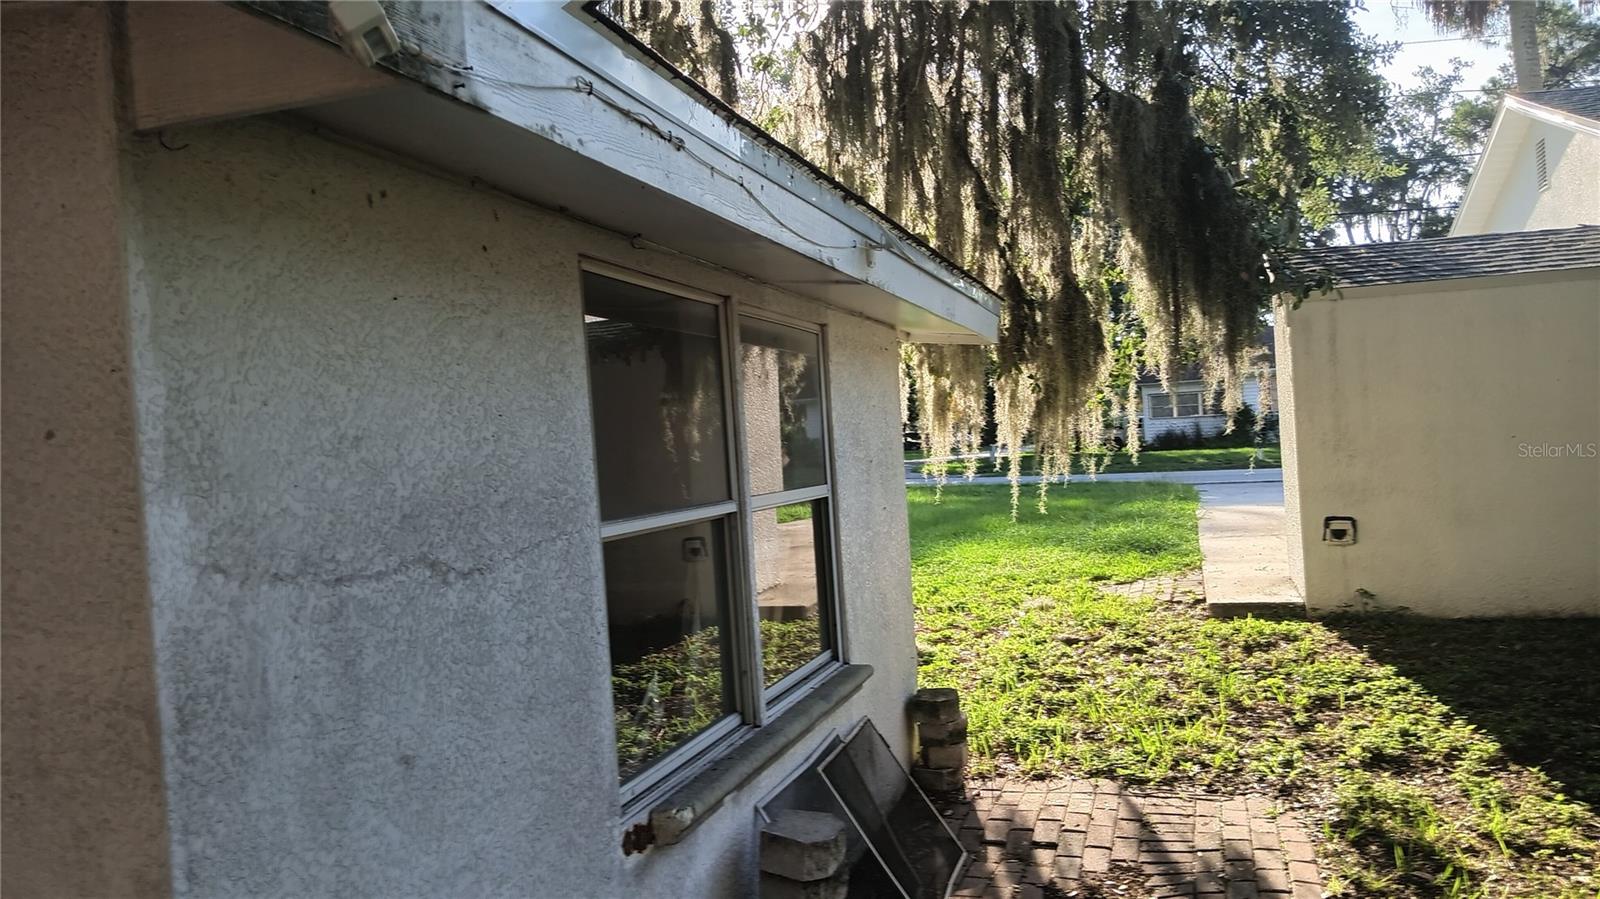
<point x="788" y="497"/>
<point x="630" y="527"/>
<point x="751" y="702"/>
<point x="841" y="649"/>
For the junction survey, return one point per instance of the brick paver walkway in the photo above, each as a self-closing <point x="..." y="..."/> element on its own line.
<point x="1187" y="585"/>
<point x="1067" y="838"/>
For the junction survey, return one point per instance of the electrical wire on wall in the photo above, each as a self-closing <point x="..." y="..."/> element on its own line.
<point x="586" y="87"/>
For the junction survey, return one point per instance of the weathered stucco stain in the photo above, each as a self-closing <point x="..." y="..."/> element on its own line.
<point x="1416" y="409"/>
<point x="82" y="815"/>
<point x="364" y="444"/>
<point x="374" y="537"/>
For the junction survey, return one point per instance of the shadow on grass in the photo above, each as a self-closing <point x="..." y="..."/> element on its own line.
<point x="1531" y="684"/>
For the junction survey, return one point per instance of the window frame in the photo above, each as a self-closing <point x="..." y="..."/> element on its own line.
<point x="1156" y="398"/>
<point x="774" y="698"/>
<point x="755" y="704"/>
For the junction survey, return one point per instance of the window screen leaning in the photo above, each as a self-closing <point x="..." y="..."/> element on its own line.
<point x="717" y="559"/>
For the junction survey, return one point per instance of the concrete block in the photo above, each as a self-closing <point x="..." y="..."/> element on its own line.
<point x="947" y="733"/>
<point x="937" y="780"/>
<point x="775" y="887"/>
<point x="802" y="846"/>
<point x="935" y="705"/>
<point x="945" y="756"/>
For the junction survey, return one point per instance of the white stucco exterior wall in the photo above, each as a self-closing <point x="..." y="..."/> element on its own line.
<point x="373" y="531"/>
<point x="82" y="814"/>
<point x="1288" y="441"/>
<point x="1458" y="423"/>
<point x="1572" y="160"/>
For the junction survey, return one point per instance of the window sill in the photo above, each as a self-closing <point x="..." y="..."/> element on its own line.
<point x="693" y="802"/>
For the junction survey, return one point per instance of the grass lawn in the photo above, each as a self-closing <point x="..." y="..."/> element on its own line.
<point x="1149" y="460"/>
<point x="1453" y="759"/>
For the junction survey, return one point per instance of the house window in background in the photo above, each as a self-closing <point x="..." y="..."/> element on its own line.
<point x="1188" y="405"/>
<point x="716" y="517"/>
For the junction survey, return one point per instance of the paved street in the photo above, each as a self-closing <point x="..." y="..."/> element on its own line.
<point x="1223" y="476"/>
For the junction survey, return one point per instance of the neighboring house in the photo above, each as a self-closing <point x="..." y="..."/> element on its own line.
<point x="404" y="466"/>
<point x="1447" y="395"/>
<point x="1196" y="410"/>
<point x="1540" y="167"/>
<point x="1446" y="398"/>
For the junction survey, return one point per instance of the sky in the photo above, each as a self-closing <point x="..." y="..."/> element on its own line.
<point x="1404" y="21"/>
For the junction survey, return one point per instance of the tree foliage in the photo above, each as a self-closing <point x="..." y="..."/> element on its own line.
<point x="1424" y="153"/>
<point x="1059" y="150"/>
<point x="1569" y="53"/>
<point x="1427" y="148"/>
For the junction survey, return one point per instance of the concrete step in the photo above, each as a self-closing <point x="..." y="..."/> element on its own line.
<point x="1235" y="589"/>
<point x="1265" y="607"/>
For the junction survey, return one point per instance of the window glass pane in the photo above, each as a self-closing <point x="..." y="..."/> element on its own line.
<point x="1160" y="406"/>
<point x="789" y="585"/>
<point x="781" y="379"/>
<point x="655" y="384"/>
<point x="671" y="671"/>
<point x="1188" y="404"/>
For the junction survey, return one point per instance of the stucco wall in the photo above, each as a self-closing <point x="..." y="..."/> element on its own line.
<point x="1430" y="413"/>
<point x="82" y="777"/>
<point x="374" y="541"/>
<point x="1572" y="161"/>
<point x="1288" y="441"/>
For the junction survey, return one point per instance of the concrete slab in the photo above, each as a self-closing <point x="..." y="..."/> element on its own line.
<point x="1246" y="565"/>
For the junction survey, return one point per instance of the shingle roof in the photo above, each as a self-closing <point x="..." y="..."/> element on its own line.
<point x="1447" y="258"/>
<point x="1580" y="101"/>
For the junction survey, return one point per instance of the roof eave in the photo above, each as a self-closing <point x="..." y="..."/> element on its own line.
<point x="1510" y="126"/>
<point x="1552" y="115"/>
<point x="533" y="99"/>
<point x="1468" y="218"/>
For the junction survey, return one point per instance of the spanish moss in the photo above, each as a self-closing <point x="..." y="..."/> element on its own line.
<point x="1055" y="149"/>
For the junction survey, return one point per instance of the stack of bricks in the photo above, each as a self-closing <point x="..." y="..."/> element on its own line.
<point x="803" y="857"/>
<point x="941" y="740"/>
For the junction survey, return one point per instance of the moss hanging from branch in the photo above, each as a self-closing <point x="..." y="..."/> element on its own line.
<point x="951" y="383"/>
<point x="1190" y="245"/>
<point x="1049" y="146"/>
<point x="691" y="35"/>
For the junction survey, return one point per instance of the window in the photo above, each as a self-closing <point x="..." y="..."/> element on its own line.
<point x="780" y="379"/>
<point x="1541" y="165"/>
<point x="1188" y="405"/>
<point x="716" y="511"/>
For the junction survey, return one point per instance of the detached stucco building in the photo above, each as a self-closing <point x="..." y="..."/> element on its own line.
<point x="429" y="479"/>
<point x="1446" y="395"/>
